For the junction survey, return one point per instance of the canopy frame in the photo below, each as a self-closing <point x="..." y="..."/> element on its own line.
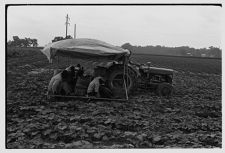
<point x="67" y="52"/>
<point x="87" y="98"/>
<point x="125" y="66"/>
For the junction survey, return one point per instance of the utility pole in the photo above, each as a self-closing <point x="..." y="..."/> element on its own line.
<point x="75" y="31"/>
<point x="67" y="22"/>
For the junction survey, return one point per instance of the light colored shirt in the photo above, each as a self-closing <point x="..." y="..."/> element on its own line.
<point x="94" y="85"/>
<point x="56" y="85"/>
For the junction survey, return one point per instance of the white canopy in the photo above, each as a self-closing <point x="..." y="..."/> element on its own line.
<point x="84" y="48"/>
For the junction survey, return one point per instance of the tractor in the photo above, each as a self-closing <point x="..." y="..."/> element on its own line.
<point x="142" y="76"/>
<point x="122" y="76"/>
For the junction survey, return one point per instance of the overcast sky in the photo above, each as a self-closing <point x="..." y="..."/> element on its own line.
<point x="173" y="26"/>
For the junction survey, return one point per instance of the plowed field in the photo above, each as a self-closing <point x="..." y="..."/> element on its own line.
<point x="192" y="118"/>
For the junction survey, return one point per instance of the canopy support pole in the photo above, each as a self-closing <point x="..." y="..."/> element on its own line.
<point x="124" y="72"/>
<point x="57" y="62"/>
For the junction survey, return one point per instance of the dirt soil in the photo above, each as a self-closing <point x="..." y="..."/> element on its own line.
<point x="192" y="118"/>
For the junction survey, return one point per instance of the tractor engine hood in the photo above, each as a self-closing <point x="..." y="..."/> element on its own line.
<point x="156" y="70"/>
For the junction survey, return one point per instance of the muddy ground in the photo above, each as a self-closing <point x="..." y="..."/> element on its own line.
<point x="192" y="118"/>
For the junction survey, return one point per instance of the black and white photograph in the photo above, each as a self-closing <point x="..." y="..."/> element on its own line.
<point x="113" y="75"/>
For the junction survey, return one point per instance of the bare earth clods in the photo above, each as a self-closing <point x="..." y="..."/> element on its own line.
<point x="192" y="118"/>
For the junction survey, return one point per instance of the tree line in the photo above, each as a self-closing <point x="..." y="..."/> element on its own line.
<point x="213" y="52"/>
<point x="26" y="42"/>
<point x="58" y="38"/>
<point x="30" y="42"/>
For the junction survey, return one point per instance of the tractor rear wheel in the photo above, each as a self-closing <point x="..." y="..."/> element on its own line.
<point x="116" y="81"/>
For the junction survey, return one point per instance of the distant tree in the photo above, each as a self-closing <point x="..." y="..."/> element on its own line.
<point x="197" y="53"/>
<point x="16" y="38"/>
<point x="69" y="37"/>
<point x="215" y="52"/>
<point x="58" y="38"/>
<point x="16" y="41"/>
<point x="9" y="43"/>
<point x="183" y="50"/>
<point x="34" y="42"/>
<point x="127" y="46"/>
<point x="26" y="42"/>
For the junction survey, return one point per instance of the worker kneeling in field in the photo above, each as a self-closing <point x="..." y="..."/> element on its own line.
<point x="59" y="84"/>
<point x="97" y="89"/>
<point x="71" y="77"/>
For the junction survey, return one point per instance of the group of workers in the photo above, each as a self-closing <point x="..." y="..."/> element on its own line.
<point x="66" y="83"/>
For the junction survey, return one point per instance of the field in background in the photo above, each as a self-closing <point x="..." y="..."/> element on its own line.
<point x="186" y="64"/>
<point x="196" y="65"/>
<point x="192" y="118"/>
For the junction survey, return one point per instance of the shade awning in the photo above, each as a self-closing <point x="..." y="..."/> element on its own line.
<point x="83" y="48"/>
